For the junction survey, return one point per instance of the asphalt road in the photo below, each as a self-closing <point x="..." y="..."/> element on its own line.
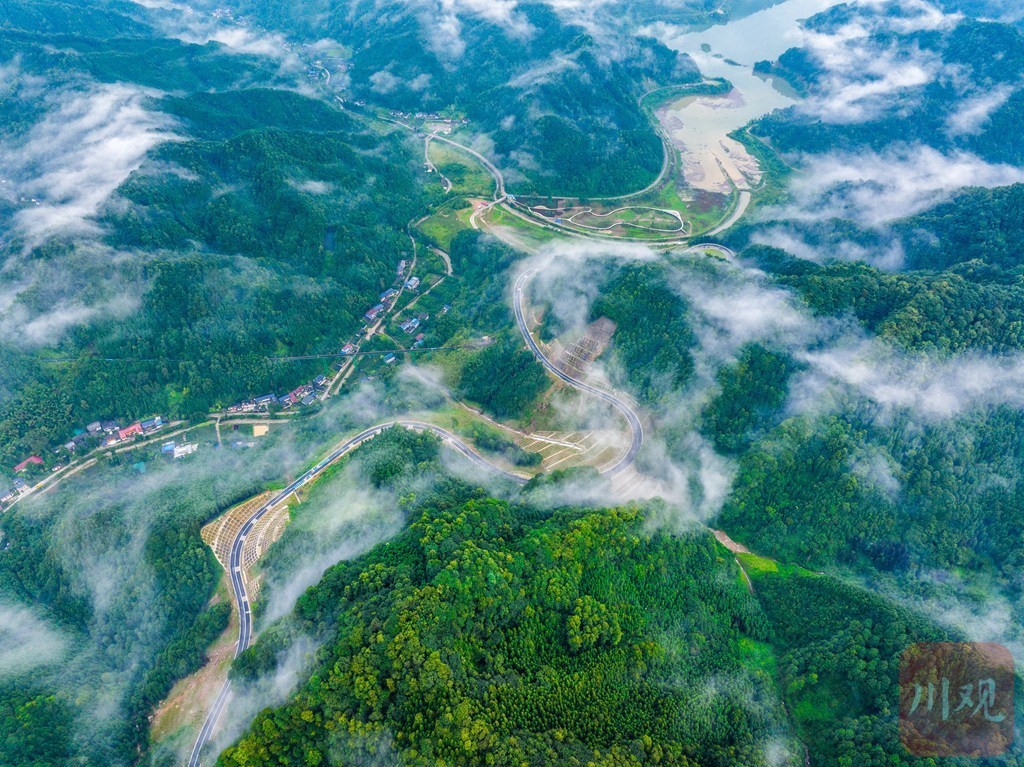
<point x="635" y="427"/>
<point x="238" y="545"/>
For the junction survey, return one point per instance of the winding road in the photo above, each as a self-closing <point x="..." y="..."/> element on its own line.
<point x="624" y="462"/>
<point x="635" y="427"/>
<point x="238" y="545"/>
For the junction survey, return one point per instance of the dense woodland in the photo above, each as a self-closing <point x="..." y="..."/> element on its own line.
<point x="494" y="633"/>
<point x="575" y="129"/>
<point x="457" y="625"/>
<point x="257" y="236"/>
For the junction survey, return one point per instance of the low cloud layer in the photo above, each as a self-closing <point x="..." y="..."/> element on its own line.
<point x="931" y="389"/>
<point x="875" y="188"/>
<point x="865" y="77"/>
<point x="62" y="172"/>
<point x="26" y="641"/>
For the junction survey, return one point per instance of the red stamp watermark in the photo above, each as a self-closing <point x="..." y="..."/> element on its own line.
<point x="956" y="699"/>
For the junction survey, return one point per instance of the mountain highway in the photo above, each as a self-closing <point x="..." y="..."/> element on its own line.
<point x="238" y="545"/>
<point x="635" y="427"/>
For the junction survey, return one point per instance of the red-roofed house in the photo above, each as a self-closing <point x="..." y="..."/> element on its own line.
<point x="31" y="460"/>
<point x="129" y="431"/>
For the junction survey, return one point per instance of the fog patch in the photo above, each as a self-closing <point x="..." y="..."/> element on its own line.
<point x="63" y="171"/>
<point x="311" y="186"/>
<point x="875" y="188"/>
<point x="874" y="466"/>
<point x="865" y="72"/>
<point x="973" y="114"/>
<point x="347" y="518"/>
<point x="27" y="641"/>
<point x="888" y="256"/>
<point x="249" y="698"/>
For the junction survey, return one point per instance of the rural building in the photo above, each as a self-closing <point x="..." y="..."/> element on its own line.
<point x="412" y="283"/>
<point x="129" y="431"/>
<point x="152" y="424"/>
<point x="388" y="294"/>
<point x="374" y="313"/>
<point x="183" y="450"/>
<point x="348" y="349"/>
<point x="94" y="428"/>
<point x="309" y="399"/>
<point x="320" y="381"/>
<point x="32" y="460"/>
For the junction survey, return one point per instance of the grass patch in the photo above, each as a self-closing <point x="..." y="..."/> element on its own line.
<point x="755" y="565"/>
<point x="757" y="656"/>
<point x="469" y="178"/>
<point x="441" y="227"/>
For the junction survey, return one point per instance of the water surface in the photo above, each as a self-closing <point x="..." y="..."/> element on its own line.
<point x="700" y="125"/>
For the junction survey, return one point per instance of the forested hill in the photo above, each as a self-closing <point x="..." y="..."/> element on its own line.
<point x="496" y="634"/>
<point x="960" y="90"/>
<point x="557" y="98"/>
<point x="193" y="241"/>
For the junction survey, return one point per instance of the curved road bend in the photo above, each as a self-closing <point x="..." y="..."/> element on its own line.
<point x="635" y="427"/>
<point x="238" y="545"/>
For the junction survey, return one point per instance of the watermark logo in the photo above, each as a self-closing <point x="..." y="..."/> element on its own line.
<point x="956" y="699"/>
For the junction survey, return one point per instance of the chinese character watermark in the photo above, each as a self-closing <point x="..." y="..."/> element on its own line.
<point x="956" y="699"/>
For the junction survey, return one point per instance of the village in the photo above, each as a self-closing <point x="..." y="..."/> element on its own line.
<point x="103" y="434"/>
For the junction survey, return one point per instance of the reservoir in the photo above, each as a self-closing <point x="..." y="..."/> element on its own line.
<point x="700" y="125"/>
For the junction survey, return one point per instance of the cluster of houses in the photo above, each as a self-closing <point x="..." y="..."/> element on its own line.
<point x="387" y="298"/>
<point x="304" y="395"/>
<point x="97" y="433"/>
<point x="14" y="492"/>
<point x="138" y="429"/>
<point x="433" y="117"/>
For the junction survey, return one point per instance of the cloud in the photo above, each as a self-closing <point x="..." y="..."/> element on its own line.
<point x="973" y="113"/>
<point x="383" y="82"/>
<point x="887" y="255"/>
<point x="65" y="169"/>
<point x="874" y="188"/>
<point x="26" y="641"/>
<point x="544" y="72"/>
<point x="442" y="20"/>
<point x="182" y="22"/>
<point x="48" y="327"/>
<point x="347" y="519"/>
<point x="864" y="69"/>
<point x="731" y="306"/>
<point x="42" y="298"/>
<point x="311" y="186"/>
<point x="734" y="308"/>
<point x="930" y="389"/>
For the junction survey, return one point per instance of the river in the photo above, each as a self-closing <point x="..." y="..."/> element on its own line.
<point x="700" y="125"/>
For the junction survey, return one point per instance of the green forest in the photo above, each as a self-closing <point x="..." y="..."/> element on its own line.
<point x="255" y="236"/>
<point x="577" y="130"/>
<point x="493" y="633"/>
